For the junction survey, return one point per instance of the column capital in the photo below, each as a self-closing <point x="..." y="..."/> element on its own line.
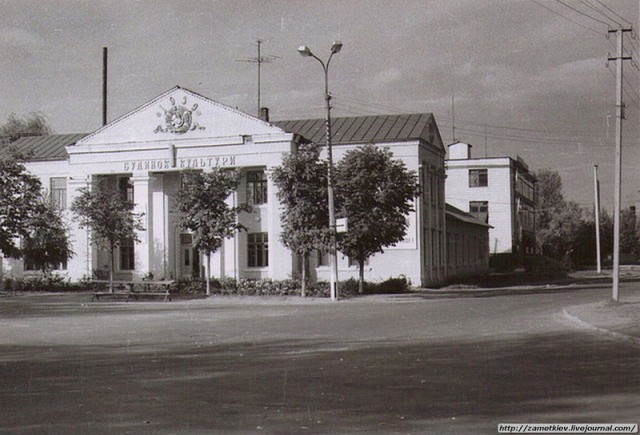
<point x="141" y="177"/>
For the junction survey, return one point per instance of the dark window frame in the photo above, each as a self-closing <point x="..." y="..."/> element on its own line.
<point x="257" y="190"/>
<point x="257" y="250"/>
<point x="58" y="192"/>
<point x="478" y="177"/>
<point x="126" y="255"/>
<point x="479" y="210"/>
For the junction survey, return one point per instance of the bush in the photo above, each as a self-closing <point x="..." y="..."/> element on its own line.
<point x="286" y="287"/>
<point x="41" y="283"/>
<point x="390" y="286"/>
<point x="224" y="286"/>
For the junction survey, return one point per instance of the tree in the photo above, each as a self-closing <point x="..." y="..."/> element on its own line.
<point x="375" y="194"/>
<point x="549" y="195"/>
<point x="33" y="124"/>
<point x="19" y="190"/>
<point x="302" y="190"/>
<point x="19" y="199"/>
<point x="46" y="243"/>
<point x="559" y="223"/>
<point x="560" y="237"/>
<point x="108" y="214"/>
<point x="204" y="210"/>
<point x="628" y="231"/>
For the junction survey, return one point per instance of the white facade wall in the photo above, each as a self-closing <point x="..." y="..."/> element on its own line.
<point x="498" y="193"/>
<point x="411" y="257"/>
<point x="144" y="147"/>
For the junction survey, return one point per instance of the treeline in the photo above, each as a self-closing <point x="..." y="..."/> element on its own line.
<point x="566" y="232"/>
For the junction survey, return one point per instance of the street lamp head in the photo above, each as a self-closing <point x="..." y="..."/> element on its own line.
<point x="336" y="47"/>
<point x="304" y="50"/>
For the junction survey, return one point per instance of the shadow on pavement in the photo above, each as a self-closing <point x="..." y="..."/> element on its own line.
<point x="318" y="385"/>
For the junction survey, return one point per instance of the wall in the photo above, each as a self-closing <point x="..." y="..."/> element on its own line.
<point x="498" y="193"/>
<point x="467" y="249"/>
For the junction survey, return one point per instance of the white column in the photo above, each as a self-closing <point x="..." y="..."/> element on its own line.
<point x="82" y="263"/>
<point x="143" y="205"/>
<point x="159" y="255"/>
<point x="280" y="257"/>
<point x="230" y="250"/>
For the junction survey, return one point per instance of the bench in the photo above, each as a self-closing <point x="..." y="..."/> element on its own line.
<point x="134" y="289"/>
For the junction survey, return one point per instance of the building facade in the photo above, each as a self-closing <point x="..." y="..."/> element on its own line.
<point x="144" y="152"/>
<point x="497" y="190"/>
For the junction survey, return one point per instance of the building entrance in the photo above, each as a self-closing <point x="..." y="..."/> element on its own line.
<point x="189" y="258"/>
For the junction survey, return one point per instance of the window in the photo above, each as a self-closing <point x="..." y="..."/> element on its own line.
<point x="58" y="189"/>
<point x="478" y="178"/>
<point x="30" y="265"/>
<point x="125" y="187"/>
<point x="256" y="187"/>
<point x="479" y="210"/>
<point x="258" y="250"/>
<point x="323" y="258"/>
<point x="127" y="259"/>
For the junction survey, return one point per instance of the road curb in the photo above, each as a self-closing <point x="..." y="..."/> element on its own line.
<point x="599" y="329"/>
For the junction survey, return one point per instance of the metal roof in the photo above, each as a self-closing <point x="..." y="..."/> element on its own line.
<point x="345" y="130"/>
<point x="367" y="129"/>
<point x="48" y="147"/>
<point x="462" y="216"/>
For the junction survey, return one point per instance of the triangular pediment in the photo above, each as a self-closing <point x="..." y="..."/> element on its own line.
<point x="179" y="114"/>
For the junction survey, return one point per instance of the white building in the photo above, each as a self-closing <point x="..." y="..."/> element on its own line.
<point x="497" y="190"/>
<point x="144" y="151"/>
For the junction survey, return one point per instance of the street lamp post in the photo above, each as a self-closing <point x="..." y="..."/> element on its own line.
<point x="333" y="258"/>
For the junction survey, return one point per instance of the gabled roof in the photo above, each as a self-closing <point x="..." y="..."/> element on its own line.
<point x="462" y="216"/>
<point x="176" y="114"/>
<point x="48" y="147"/>
<point x="368" y="129"/>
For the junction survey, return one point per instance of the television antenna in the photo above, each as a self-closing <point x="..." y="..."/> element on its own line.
<point x="259" y="60"/>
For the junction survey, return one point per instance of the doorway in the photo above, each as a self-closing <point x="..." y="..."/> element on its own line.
<point x="189" y="258"/>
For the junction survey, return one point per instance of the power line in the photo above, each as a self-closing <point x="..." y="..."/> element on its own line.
<point x="599" y="11"/>
<point x="378" y="107"/>
<point x="568" y="19"/>
<point x="614" y="13"/>
<point x="582" y="13"/>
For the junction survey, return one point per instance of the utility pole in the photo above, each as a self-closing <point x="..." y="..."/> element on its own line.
<point x="619" y="58"/>
<point x="596" y="193"/>
<point x="259" y="60"/>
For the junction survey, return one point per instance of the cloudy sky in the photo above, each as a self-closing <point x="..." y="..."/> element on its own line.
<point x="527" y="77"/>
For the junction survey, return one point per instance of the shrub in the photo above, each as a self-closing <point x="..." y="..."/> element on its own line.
<point x="41" y="283"/>
<point x="389" y="286"/>
<point x="219" y="286"/>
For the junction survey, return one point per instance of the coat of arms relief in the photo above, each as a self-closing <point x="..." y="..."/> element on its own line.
<point x="178" y="119"/>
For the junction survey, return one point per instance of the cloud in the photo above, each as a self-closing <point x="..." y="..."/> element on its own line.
<point x="386" y="77"/>
<point x="20" y="38"/>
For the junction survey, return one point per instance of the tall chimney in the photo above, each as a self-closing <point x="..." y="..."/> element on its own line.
<point x="264" y="114"/>
<point x="104" y="85"/>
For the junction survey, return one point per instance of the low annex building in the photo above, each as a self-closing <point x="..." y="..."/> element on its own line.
<point x="144" y="152"/>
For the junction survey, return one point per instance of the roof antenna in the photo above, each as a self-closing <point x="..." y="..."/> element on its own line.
<point x="260" y="59"/>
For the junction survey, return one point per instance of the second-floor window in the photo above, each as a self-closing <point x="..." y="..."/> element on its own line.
<point x="125" y="187"/>
<point x="58" y="190"/>
<point x="478" y="178"/>
<point x="256" y="187"/>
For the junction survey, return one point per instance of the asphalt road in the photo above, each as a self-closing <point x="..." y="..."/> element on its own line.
<point x="403" y="364"/>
